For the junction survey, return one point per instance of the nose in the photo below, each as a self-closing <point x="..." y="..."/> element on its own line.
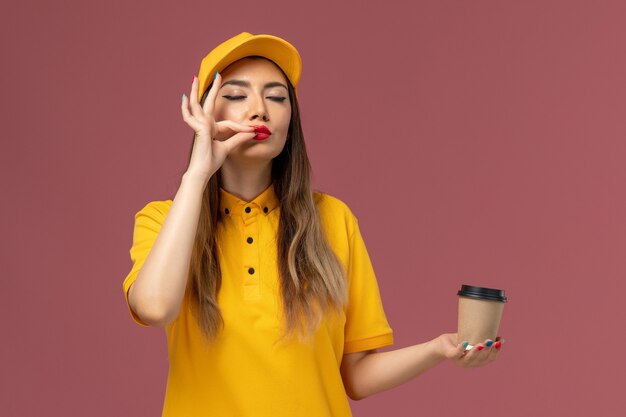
<point x="258" y="109"/>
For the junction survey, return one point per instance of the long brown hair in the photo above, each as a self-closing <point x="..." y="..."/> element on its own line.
<point x="312" y="279"/>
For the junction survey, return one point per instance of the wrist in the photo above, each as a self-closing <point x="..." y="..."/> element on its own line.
<point x="437" y="348"/>
<point x="194" y="180"/>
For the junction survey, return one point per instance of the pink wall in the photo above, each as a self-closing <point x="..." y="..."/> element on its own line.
<point x="478" y="142"/>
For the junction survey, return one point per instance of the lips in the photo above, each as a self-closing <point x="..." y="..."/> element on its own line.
<point x="262" y="129"/>
<point x="262" y="132"/>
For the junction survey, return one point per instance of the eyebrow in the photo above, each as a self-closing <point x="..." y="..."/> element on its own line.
<point x="243" y="83"/>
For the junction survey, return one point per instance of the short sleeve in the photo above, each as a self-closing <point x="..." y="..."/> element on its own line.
<point x="366" y="323"/>
<point x="148" y="222"/>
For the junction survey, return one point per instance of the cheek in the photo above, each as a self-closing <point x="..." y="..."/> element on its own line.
<point x="284" y="121"/>
<point x="218" y="113"/>
<point x="228" y="113"/>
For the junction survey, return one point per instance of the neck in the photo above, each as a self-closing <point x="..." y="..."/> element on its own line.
<point x="246" y="181"/>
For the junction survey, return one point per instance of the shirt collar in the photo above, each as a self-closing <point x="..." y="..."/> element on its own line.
<point x="264" y="203"/>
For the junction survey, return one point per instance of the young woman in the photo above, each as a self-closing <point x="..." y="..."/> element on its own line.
<point x="264" y="287"/>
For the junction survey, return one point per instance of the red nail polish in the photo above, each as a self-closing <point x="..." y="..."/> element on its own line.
<point x="498" y="344"/>
<point x="479" y="347"/>
<point x="193" y="78"/>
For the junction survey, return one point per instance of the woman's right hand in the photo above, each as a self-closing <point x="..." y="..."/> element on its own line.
<point x="213" y="140"/>
<point x="449" y="347"/>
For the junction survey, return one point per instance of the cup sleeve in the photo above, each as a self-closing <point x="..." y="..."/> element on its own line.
<point x="366" y="324"/>
<point x="148" y="222"/>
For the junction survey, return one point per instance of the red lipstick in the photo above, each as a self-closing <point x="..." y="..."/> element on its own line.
<point x="262" y="132"/>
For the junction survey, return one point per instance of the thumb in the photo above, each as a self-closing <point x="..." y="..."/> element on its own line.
<point x="460" y="350"/>
<point x="455" y="352"/>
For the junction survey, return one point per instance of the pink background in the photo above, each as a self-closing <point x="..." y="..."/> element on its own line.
<point x="478" y="142"/>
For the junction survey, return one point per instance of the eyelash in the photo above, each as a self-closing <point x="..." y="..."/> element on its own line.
<point x="235" y="98"/>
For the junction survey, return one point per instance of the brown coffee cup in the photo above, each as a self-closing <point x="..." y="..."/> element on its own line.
<point x="480" y="311"/>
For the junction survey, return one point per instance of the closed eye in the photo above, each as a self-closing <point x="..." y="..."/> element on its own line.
<point x="234" y="98"/>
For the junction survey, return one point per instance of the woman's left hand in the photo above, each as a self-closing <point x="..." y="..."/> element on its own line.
<point x="480" y="355"/>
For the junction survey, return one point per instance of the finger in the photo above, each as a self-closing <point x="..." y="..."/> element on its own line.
<point x="456" y="353"/>
<point x="498" y="344"/>
<point x="184" y="108"/>
<point x="224" y="125"/>
<point x="493" y="353"/>
<point x="474" y="356"/>
<point x="193" y="98"/>
<point x="464" y="348"/>
<point x="236" y="140"/>
<point x="486" y="352"/>
<point x="209" y="102"/>
<point x="488" y="344"/>
<point x="187" y="116"/>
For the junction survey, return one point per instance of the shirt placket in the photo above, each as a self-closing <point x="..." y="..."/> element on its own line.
<point x="250" y="262"/>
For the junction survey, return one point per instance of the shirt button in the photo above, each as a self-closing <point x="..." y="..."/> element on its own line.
<point x="250" y="240"/>
<point x="248" y="209"/>
<point x="251" y="271"/>
<point x="226" y="210"/>
<point x="265" y="209"/>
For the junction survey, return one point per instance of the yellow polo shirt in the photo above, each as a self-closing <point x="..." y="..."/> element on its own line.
<point x="244" y="373"/>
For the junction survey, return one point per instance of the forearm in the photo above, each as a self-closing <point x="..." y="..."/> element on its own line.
<point x="380" y="371"/>
<point x="160" y="285"/>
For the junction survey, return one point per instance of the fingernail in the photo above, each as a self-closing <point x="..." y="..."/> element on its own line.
<point x="215" y="76"/>
<point x="465" y="344"/>
<point x="489" y="343"/>
<point x="497" y="345"/>
<point x="183" y="97"/>
<point x="192" y="79"/>
<point x="480" y="347"/>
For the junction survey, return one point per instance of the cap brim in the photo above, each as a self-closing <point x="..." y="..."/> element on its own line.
<point x="284" y="54"/>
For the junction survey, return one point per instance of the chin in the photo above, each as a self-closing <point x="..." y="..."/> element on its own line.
<point x="257" y="150"/>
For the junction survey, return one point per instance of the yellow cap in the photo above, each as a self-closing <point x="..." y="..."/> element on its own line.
<point x="284" y="54"/>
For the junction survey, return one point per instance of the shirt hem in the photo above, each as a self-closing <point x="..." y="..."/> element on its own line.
<point x="368" y="343"/>
<point x="134" y="316"/>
